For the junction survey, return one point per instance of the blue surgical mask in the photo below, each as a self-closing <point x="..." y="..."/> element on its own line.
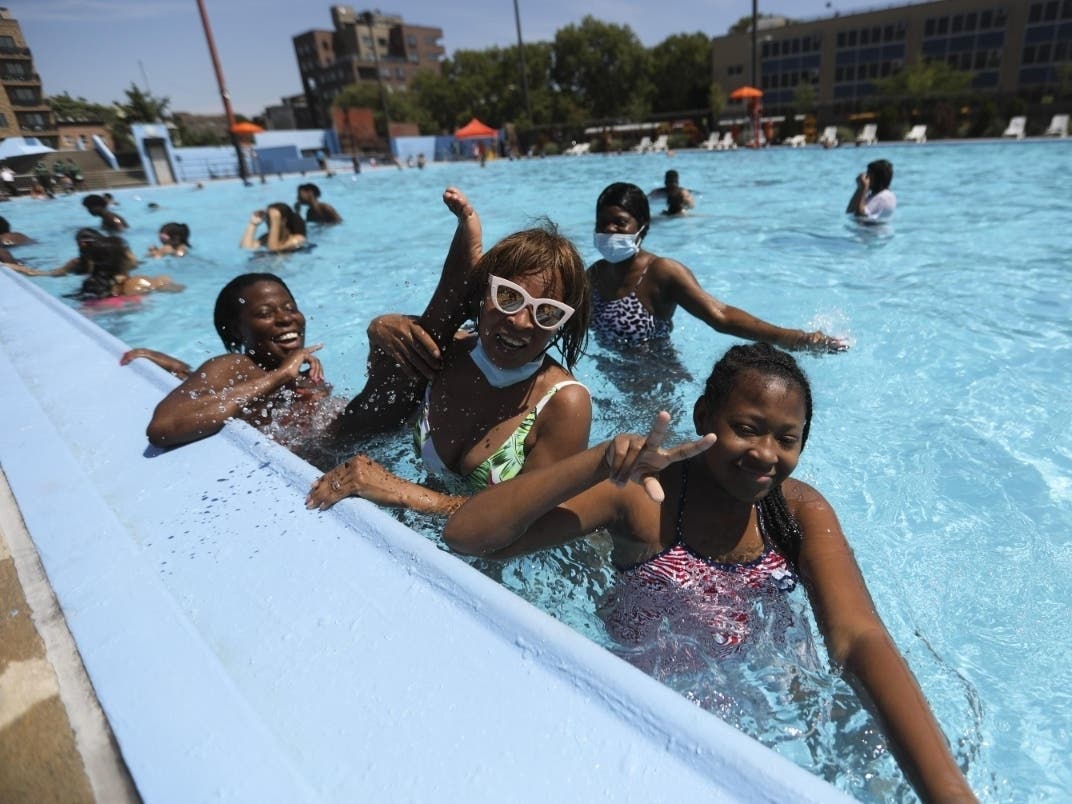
<point x="502" y="377"/>
<point x="617" y="247"/>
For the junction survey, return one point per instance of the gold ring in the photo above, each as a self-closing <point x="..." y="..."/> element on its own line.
<point x="335" y="485"/>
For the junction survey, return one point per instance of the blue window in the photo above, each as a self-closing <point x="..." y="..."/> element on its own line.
<point x="993" y="39"/>
<point x="1041" y="33"/>
<point x="934" y="49"/>
<point x="986" y="80"/>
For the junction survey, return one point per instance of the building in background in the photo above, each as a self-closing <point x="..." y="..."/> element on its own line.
<point x="1019" y="48"/>
<point x="291" y="113"/>
<point x="366" y="47"/>
<point x="23" y="110"/>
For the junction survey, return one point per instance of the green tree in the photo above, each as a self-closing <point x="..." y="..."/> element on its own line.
<point x="681" y="72"/>
<point x="603" y="69"/>
<point x="64" y="107"/>
<point x="924" y="81"/>
<point x="141" y="107"/>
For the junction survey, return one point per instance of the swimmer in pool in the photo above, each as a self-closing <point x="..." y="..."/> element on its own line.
<point x="286" y="230"/>
<point x="499" y="405"/>
<point x="84" y="238"/>
<point x="174" y="241"/>
<point x="10" y="239"/>
<point x="722" y="513"/>
<point x="267" y="373"/>
<point x="111" y="265"/>
<point x="97" y="205"/>
<point x="635" y="293"/>
<point x="317" y="211"/>
<point x="873" y="201"/>
<point x="678" y="198"/>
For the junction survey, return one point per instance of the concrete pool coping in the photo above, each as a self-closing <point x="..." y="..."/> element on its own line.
<point x="245" y="649"/>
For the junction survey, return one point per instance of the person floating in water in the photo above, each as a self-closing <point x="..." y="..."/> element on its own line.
<point x="714" y="524"/>
<point x="873" y="201"/>
<point x="678" y="198"/>
<point x="97" y="205"/>
<point x="317" y="212"/>
<point x="174" y="240"/>
<point x="286" y="230"/>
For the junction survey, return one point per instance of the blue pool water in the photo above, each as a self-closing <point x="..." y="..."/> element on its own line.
<point x="937" y="437"/>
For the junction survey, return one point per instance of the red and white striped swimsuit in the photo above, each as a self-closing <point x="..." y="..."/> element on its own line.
<point x="709" y="600"/>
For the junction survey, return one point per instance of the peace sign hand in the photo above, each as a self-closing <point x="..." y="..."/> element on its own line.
<point x="641" y="459"/>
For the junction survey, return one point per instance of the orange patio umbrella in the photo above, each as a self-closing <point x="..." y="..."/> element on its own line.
<point x="246" y="128"/>
<point x="746" y="93"/>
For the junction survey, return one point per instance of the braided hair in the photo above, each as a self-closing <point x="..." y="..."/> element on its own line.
<point x="762" y="358"/>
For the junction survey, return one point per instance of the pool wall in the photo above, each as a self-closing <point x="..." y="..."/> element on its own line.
<point x="246" y="649"/>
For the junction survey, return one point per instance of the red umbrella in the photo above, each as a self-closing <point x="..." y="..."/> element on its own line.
<point x="246" y="128"/>
<point x="743" y="93"/>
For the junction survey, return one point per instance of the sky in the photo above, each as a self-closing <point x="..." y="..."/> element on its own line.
<point x="96" y="48"/>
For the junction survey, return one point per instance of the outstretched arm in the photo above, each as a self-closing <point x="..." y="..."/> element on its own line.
<point x="687" y="292"/>
<point x="568" y="499"/>
<point x="858" y="641"/>
<point x="166" y="362"/>
<point x="249" y="235"/>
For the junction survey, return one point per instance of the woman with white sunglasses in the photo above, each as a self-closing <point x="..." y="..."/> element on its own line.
<point x="499" y="404"/>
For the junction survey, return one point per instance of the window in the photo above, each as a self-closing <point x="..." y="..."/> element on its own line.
<point x="986" y="19"/>
<point x="970" y="21"/>
<point x="1043" y="54"/>
<point x="943" y="25"/>
<point x="1029" y="55"/>
<point x="7" y="43"/>
<point x="865" y="37"/>
<point x="929" y="27"/>
<point x="1051" y="11"/>
<point x="3" y="120"/>
<point x="1035" y="15"/>
<point x="887" y="33"/>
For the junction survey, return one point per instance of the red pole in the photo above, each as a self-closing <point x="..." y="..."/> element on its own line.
<point x="224" y="94"/>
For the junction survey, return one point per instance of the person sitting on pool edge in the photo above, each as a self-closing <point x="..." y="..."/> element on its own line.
<point x="98" y="205"/>
<point x="286" y="230"/>
<point x="259" y="380"/>
<point x="701" y="531"/>
<point x="635" y="293"/>
<point x="317" y="212"/>
<point x="873" y="201"/>
<point x="174" y="240"/>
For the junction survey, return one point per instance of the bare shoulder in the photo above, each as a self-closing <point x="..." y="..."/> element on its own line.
<point x="222" y="369"/>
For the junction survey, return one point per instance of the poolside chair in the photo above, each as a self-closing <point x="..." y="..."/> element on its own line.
<point x="1058" y="126"/>
<point x="661" y="143"/>
<point x="578" y="149"/>
<point x="828" y="139"/>
<point x="711" y="142"/>
<point x="917" y="133"/>
<point x="868" y="135"/>
<point x="1016" y="128"/>
<point x="643" y="146"/>
<point x="727" y="143"/>
<point x="796" y="141"/>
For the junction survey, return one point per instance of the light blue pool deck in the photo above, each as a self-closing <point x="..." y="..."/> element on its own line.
<point x="245" y="650"/>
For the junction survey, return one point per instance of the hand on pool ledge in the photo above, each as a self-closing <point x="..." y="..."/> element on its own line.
<point x="363" y="477"/>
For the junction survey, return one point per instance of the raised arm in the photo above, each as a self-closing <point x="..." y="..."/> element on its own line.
<point x="221" y="389"/>
<point x="170" y="364"/>
<point x="858" y="203"/>
<point x="249" y="235"/>
<point x="858" y="641"/>
<point x="686" y="291"/>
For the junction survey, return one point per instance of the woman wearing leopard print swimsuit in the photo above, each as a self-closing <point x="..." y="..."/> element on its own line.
<point x="635" y="292"/>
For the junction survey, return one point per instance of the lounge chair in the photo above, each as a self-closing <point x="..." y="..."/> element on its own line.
<point x="796" y="141"/>
<point x="1016" y="128"/>
<point x="662" y="143"/>
<point x="828" y="139"/>
<point x="727" y="143"/>
<point x="643" y="146"/>
<point x="1058" y="126"/>
<point x="917" y="133"/>
<point x="711" y="141"/>
<point x="868" y="135"/>
<point x="577" y="149"/>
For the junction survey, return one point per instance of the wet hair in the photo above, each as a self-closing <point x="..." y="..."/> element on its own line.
<point x="229" y="302"/>
<point x="768" y="361"/>
<point x="291" y="219"/>
<point x="627" y="196"/>
<point x="312" y="188"/>
<point x="108" y="257"/>
<point x="178" y="233"/>
<point x="534" y="251"/>
<point x="881" y="173"/>
<point x="671" y="178"/>
<point x="675" y="201"/>
<point x="94" y="203"/>
<point x="5" y="227"/>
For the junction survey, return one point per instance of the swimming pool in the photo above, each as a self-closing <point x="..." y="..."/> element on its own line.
<point x="935" y="437"/>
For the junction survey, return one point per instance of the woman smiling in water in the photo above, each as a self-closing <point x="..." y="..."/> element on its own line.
<point x="259" y="378"/>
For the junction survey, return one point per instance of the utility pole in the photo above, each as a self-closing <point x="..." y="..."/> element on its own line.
<point x="521" y="58"/>
<point x="224" y="94"/>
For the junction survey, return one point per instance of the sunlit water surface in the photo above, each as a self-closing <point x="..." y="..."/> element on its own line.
<point x="939" y="437"/>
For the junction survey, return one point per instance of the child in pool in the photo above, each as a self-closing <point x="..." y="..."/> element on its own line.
<point x="731" y="510"/>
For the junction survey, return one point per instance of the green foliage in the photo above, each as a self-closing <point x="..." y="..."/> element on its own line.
<point x="681" y="72"/>
<point x="141" y="107"/>
<point x="402" y="105"/>
<point x="64" y="107"/>
<point x="744" y="24"/>
<point x="604" y="68"/>
<point x="924" y="81"/>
